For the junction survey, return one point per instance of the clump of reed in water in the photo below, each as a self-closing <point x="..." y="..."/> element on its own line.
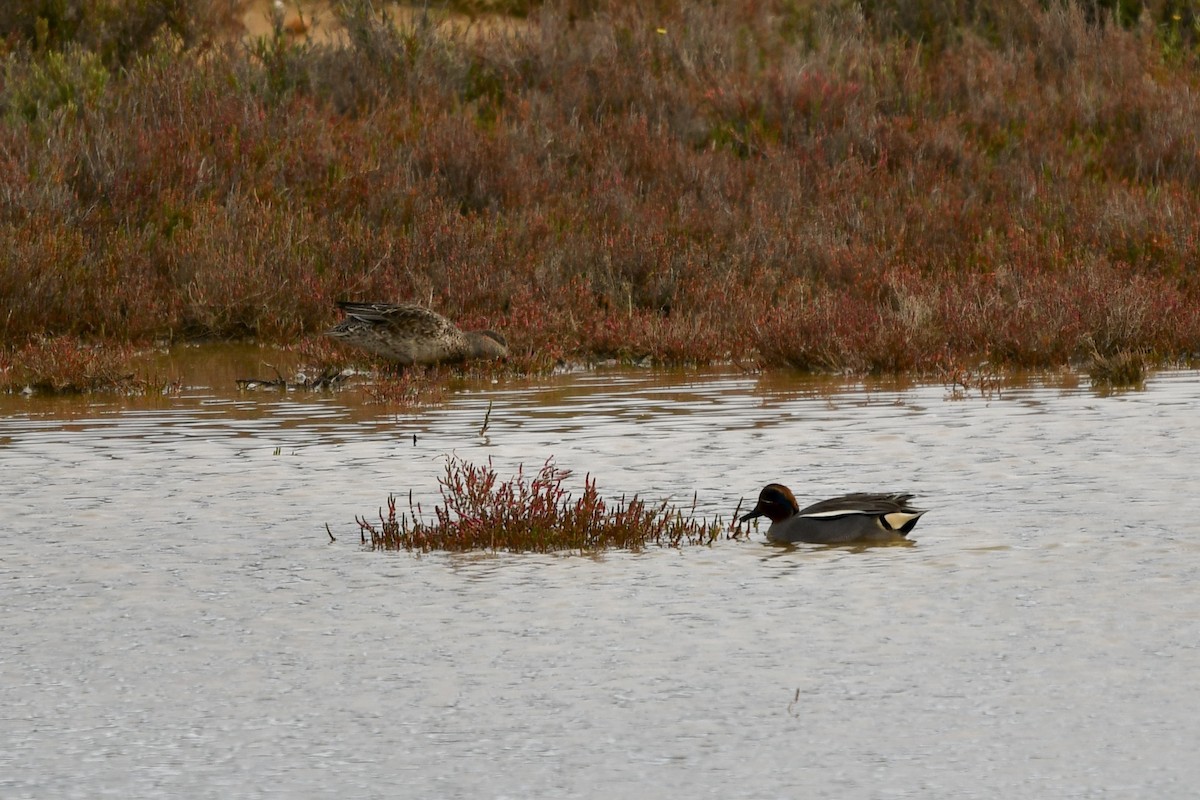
<point x="535" y="514"/>
<point x="1123" y="368"/>
<point x="67" y="365"/>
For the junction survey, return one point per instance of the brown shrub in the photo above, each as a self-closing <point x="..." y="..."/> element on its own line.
<point x="683" y="182"/>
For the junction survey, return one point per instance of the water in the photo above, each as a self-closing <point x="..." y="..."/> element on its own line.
<point x="176" y="622"/>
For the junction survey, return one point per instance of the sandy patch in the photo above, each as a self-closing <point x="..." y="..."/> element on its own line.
<point x="315" y="21"/>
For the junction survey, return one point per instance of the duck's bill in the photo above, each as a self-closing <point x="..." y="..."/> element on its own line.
<point x="750" y="515"/>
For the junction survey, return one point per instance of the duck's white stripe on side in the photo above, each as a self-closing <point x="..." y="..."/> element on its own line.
<point x="898" y="519"/>
<point x="841" y="513"/>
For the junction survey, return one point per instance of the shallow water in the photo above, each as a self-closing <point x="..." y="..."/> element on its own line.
<point x="176" y="622"/>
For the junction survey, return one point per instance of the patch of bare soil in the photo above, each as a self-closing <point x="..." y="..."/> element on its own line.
<point x="315" y="21"/>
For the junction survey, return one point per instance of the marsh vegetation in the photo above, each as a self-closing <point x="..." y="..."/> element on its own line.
<point x="841" y="186"/>
<point x="535" y="513"/>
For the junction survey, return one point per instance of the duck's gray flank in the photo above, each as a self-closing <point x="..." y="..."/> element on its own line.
<point x="858" y="517"/>
<point x="410" y="334"/>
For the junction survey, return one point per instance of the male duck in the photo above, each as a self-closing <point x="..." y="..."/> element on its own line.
<point x="859" y="517"/>
<point x="410" y="334"/>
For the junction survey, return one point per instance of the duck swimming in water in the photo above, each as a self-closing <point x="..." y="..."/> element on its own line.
<point x="860" y="517"/>
<point x="409" y="334"/>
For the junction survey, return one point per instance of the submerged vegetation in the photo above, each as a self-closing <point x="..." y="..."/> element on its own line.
<point x="534" y="514"/>
<point x="869" y="187"/>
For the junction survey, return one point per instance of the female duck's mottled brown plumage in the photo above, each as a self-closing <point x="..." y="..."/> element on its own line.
<point x="410" y="334"/>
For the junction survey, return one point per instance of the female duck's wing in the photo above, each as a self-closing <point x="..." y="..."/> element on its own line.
<point x="413" y="320"/>
<point x="372" y="312"/>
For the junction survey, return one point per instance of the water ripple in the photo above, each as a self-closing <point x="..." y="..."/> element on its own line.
<point x="177" y="622"/>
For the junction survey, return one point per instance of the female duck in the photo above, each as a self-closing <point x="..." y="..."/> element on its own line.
<point x="861" y="517"/>
<point x="410" y="334"/>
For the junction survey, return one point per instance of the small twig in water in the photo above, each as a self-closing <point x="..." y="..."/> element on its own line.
<point x="331" y="538"/>
<point x="792" y="705"/>
<point x="487" y="419"/>
<point x="735" y="524"/>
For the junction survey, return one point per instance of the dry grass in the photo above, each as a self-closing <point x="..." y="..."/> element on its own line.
<point x="1121" y="369"/>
